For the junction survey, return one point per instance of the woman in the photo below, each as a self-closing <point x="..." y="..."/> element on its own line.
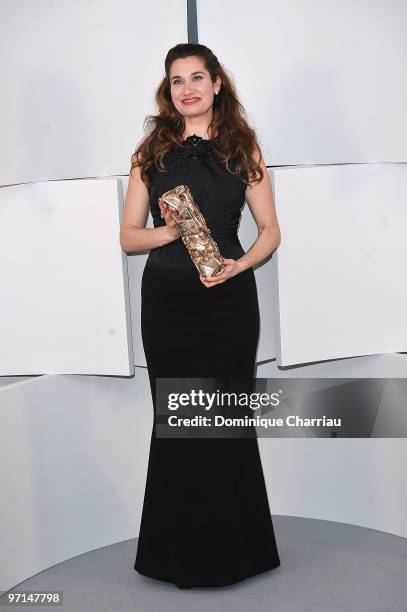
<point x="205" y="519"/>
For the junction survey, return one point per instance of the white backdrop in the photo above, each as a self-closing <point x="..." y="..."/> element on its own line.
<point x="80" y="80"/>
<point x="323" y="81"/>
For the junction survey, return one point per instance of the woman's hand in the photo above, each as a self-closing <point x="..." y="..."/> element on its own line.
<point x="169" y="217"/>
<point x="232" y="267"/>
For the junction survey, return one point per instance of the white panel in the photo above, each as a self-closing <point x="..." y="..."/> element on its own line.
<point x="80" y="79"/>
<point x="136" y="263"/>
<point x="266" y="281"/>
<point x="73" y="465"/>
<point x="392" y="365"/>
<point x="323" y="81"/>
<point x="63" y="279"/>
<point x="342" y="287"/>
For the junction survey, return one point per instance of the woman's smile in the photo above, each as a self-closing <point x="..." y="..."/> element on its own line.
<point x="190" y="100"/>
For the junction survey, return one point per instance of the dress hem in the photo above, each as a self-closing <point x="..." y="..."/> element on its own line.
<point x="212" y="584"/>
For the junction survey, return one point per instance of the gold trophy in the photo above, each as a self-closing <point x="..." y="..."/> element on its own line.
<point x="194" y="232"/>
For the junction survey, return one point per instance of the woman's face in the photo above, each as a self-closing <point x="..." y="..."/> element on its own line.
<point x="190" y="79"/>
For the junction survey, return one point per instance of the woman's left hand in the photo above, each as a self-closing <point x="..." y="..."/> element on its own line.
<point x="232" y="268"/>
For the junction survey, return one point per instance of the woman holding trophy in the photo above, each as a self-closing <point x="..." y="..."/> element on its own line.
<point x="206" y="520"/>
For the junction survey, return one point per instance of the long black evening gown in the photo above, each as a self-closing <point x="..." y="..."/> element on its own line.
<point x="205" y="518"/>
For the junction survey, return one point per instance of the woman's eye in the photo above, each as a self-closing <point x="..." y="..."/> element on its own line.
<point x="197" y="76"/>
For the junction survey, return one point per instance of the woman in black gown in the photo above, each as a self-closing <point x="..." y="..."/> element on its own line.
<point x="205" y="518"/>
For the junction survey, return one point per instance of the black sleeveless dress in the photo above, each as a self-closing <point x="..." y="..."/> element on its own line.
<point x="206" y="519"/>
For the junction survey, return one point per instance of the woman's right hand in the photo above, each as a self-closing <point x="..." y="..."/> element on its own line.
<point x="169" y="218"/>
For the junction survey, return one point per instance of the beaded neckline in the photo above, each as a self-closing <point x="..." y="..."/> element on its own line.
<point x="195" y="147"/>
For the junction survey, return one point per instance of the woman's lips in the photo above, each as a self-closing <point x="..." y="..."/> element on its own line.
<point x="190" y="101"/>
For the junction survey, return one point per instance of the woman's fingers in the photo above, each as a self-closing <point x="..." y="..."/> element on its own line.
<point x="167" y="214"/>
<point x="163" y="209"/>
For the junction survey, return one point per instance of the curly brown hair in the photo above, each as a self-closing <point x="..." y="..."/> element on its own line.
<point x="235" y="139"/>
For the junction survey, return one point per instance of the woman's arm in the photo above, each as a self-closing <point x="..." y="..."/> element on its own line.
<point x="261" y="203"/>
<point x="134" y="236"/>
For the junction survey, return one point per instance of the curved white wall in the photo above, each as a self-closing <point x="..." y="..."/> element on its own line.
<point x="73" y="463"/>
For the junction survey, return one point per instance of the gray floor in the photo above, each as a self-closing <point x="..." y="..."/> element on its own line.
<point x="325" y="567"/>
